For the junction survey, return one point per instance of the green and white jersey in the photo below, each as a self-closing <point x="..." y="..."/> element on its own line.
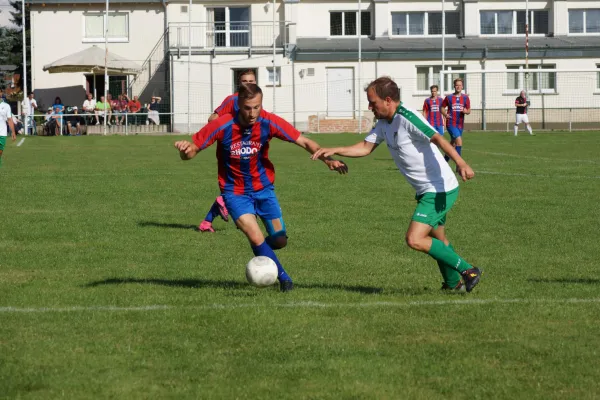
<point x="408" y="138"/>
<point x="5" y="114"/>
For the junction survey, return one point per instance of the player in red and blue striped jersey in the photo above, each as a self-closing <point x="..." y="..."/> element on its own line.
<point x="228" y="106"/>
<point x="432" y="110"/>
<point x="454" y="108"/>
<point x="246" y="175"/>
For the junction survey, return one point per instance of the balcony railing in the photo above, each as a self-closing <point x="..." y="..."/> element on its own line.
<point x="228" y="35"/>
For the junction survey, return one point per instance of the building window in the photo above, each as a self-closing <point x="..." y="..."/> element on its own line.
<point x="274" y="79"/>
<point x="344" y="23"/>
<point x="584" y="21"/>
<point x="512" y="22"/>
<point x="531" y="82"/>
<point x="538" y="22"/>
<point x="424" y="23"/>
<point x="94" y="28"/>
<point x="228" y="27"/>
<point x="430" y="75"/>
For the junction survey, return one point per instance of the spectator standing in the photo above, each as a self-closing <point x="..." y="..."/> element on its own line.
<point x="29" y="107"/>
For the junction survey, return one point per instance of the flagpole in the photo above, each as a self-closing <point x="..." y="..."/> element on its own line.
<point x="442" y="76"/>
<point x="189" y="67"/>
<point x="24" y="77"/>
<point x="359" y="28"/>
<point x="105" y="67"/>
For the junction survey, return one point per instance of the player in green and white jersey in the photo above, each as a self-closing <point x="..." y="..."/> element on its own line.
<point x="5" y="117"/>
<point x="413" y="144"/>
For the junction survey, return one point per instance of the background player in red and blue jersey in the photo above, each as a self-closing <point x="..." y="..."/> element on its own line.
<point x="246" y="175"/>
<point x="432" y="110"/>
<point x="454" y="108"/>
<point x="228" y="106"/>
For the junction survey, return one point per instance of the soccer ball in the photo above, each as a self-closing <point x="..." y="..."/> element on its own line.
<point x="261" y="271"/>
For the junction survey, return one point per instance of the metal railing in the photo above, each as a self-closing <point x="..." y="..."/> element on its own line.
<point x="222" y="35"/>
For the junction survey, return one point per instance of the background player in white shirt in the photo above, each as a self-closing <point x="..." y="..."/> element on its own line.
<point x="413" y="144"/>
<point x="5" y="118"/>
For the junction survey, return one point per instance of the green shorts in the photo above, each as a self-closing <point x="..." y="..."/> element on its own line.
<point x="2" y="142"/>
<point x="433" y="207"/>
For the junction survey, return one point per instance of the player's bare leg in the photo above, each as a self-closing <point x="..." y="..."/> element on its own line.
<point x="249" y="225"/>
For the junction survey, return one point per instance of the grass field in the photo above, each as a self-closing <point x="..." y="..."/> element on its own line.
<point x="107" y="291"/>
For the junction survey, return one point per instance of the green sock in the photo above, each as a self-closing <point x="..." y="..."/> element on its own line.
<point x="450" y="275"/>
<point x="440" y="252"/>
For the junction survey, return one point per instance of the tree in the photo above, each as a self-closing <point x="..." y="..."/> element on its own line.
<point x="16" y="41"/>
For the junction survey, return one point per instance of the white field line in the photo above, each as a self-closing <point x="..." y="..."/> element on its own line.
<point x="537" y="175"/>
<point x="535" y="157"/>
<point x="298" y="304"/>
<point x="21" y="142"/>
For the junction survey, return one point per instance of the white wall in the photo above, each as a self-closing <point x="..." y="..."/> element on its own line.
<point x="57" y="31"/>
<point x="313" y="16"/>
<point x="222" y="85"/>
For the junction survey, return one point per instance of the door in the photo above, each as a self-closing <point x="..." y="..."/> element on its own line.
<point x="340" y="92"/>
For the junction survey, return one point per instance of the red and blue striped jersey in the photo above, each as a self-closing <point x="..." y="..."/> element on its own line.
<point x="228" y="106"/>
<point x="243" y="154"/>
<point x="432" y="110"/>
<point x="456" y="104"/>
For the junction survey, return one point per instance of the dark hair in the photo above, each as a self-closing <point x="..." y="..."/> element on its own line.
<point x="457" y="80"/>
<point x="59" y="100"/>
<point x="434" y="86"/>
<point x="246" y="72"/>
<point x="385" y="87"/>
<point x="247" y="92"/>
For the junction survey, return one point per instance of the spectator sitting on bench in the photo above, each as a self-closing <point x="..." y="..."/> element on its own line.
<point x="103" y="108"/>
<point x="58" y="110"/>
<point x="74" y="122"/>
<point x="50" y="125"/>
<point x="134" y="107"/>
<point x="89" y="109"/>
<point x="153" y="114"/>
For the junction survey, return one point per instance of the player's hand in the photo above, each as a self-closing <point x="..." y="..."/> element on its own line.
<point x="323" y="153"/>
<point x="337" y="165"/>
<point x="13" y="136"/>
<point x="466" y="172"/>
<point x="186" y="149"/>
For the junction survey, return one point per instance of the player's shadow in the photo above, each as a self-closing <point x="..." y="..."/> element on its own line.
<point x="584" y="281"/>
<point x="153" y="224"/>
<point x="229" y="284"/>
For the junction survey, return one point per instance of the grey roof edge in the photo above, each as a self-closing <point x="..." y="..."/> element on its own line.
<point x="437" y="54"/>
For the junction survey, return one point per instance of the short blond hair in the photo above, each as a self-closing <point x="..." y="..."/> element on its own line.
<point x="457" y="80"/>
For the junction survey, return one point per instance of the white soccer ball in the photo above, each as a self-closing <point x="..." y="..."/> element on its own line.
<point x="261" y="271"/>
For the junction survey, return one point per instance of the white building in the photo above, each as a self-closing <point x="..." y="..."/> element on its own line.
<point x="313" y="68"/>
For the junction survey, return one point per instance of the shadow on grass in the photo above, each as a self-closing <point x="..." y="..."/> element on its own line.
<point x="585" y="281"/>
<point x="225" y="284"/>
<point x="145" y="224"/>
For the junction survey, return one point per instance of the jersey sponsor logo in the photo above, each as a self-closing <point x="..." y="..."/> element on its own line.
<point x="421" y="215"/>
<point x="245" y="149"/>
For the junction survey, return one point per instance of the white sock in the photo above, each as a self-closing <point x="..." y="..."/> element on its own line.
<point x="516" y="129"/>
<point x="529" y="129"/>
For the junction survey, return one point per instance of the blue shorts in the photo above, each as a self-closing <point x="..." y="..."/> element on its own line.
<point x="263" y="204"/>
<point x="439" y="129"/>
<point x="454" y="131"/>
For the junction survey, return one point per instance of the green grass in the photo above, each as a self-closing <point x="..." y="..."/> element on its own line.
<point x="91" y="223"/>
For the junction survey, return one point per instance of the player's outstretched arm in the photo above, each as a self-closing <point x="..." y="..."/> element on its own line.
<point x="312" y="147"/>
<point x="360" y="149"/>
<point x="11" y="125"/>
<point x="465" y="171"/>
<point x="187" y="150"/>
